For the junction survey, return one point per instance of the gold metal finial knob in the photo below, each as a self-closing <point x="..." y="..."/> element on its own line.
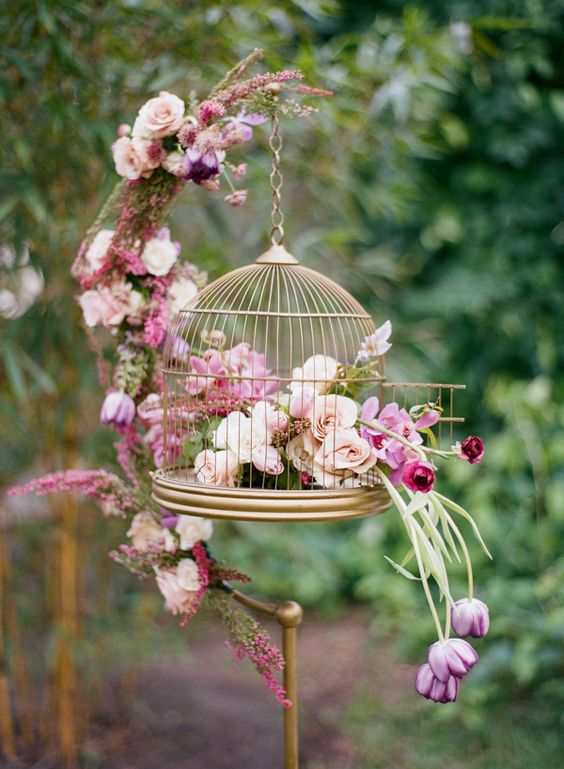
<point x="289" y="613"/>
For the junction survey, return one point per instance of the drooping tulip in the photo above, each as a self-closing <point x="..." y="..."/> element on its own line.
<point x="430" y="687"/>
<point x="453" y="657"/>
<point x="469" y="616"/>
<point x="117" y="409"/>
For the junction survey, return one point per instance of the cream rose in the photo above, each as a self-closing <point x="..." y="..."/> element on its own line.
<point x="161" y="116"/>
<point x="216" y="468"/>
<point x="301" y="451"/>
<point x="318" y="371"/>
<point x="132" y="158"/>
<point x="268" y="460"/>
<point x="175" y="163"/>
<point x="146" y="533"/>
<point x="192" y="529"/>
<point x="98" y="249"/>
<point x="329" y="412"/>
<point x="241" y="435"/>
<point x="181" y="291"/>
<point x="159" y="255"/>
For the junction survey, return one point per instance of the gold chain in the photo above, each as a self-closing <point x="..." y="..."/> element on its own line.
<point x="276" y="181"/>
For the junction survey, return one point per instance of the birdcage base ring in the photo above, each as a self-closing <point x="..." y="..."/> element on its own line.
<point x="243" y="504"/>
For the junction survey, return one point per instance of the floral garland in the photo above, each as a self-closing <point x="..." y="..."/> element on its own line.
<point x="133" y="283"/>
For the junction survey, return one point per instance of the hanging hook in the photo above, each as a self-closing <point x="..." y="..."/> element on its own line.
<point x="276" y="181"/>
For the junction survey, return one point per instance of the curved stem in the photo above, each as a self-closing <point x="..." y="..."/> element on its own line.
<point x="400" y="504"/>
<point x="465" y="552"/>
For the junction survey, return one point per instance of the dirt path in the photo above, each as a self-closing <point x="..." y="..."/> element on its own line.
<point x="206" y="711"/>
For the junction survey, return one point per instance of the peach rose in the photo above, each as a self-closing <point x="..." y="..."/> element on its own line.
<point x="342" y="451"/>
<point x="146" y="533"/>
<point x="192" y="529"/>
<point x="161" y="116"/>
<point x="132" y="158"/>
<point x="318" y="371"/>
<point x="330" y="412"/>
<point x="216" y="468"/>
<point x="179" y="586"/>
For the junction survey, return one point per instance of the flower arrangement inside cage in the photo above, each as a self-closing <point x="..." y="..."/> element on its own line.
<point x="271" y="376"/>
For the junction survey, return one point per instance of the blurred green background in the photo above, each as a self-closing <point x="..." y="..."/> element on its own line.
<point x="431" y="186"/>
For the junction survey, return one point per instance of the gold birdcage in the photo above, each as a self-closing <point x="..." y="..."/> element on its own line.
<point x="264" y="341"/>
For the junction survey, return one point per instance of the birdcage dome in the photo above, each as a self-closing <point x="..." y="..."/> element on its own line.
<point x="253" y="368"/>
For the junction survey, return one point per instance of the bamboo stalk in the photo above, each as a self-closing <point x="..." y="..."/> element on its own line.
<point x="7" y="734"/>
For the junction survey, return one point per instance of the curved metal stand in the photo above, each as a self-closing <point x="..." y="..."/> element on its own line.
<point x="288" y="614"/>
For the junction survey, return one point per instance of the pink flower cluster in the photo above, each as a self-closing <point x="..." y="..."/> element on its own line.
<point x="268" y="661"/>
<point x="406" y="466"/>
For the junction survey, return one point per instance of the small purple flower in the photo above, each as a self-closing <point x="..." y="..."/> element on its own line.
<point x="243" y="122"/>
<point x="469" y="616"/>
<point x="202" y="166"/>
<point x="453" y="657"/>
<point x="429" y="686"/>
<point x="117" y="409"/>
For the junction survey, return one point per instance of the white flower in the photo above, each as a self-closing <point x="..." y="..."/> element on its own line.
<point x="159" y="255"/>
<point x="181" y="291"/>
<point x="187" y="574"/>
<point x="192" y="529"/>
<point x="175" y="163"/>
<point x="376" y="344"/>
<point x="318" y="371"/>
<point x="241" y="435"/>
<point x="98" y="249"/>
<point x="146" y="533"/>
<point x="270" y="416"/>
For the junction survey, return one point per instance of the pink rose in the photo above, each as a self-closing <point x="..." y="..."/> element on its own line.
<point x="271" y="417"/>
<point x="331" y="412"/>
<point x="216" y="468"/>
<point x="110" y="305"/>
<point x="342" y="451"/>
<point x="418" y="476"/>
<point x="267" y="460"/>
<point x="161" y="116"/>
<point x="301" y="401"/>
<point x="133" y="158"/>
<point x="179" y="586"/>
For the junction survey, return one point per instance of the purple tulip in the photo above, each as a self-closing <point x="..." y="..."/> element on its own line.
<point x="453" y="657"/>
<point x="202" y="166"/>
<point x="469" y="616"/>
<point x="117" y="409"/>
<point x="429" y="686"/>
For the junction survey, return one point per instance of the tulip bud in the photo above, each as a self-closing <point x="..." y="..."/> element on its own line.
<point x="472" y="449"/>
<point x="429" y="686"/>
<point x="469" y="616"/>
<point x="118" y="409"/>
<point x="453" y="657"/>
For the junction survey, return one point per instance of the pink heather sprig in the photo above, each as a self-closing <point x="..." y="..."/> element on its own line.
<point x="203" y="563"/>
<point x="267" y="659"/>
<point x="115" y="496"/>
<point x="239" y="91"/>
<point x="210" y="110"/>
<point x="129" y="451"/>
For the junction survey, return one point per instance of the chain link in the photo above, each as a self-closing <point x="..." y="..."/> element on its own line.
<point x="276" y="181"/>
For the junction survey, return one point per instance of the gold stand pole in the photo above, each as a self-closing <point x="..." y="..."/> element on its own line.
<point x="288" y="615"/>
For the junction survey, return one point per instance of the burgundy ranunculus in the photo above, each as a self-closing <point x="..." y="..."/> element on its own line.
<point x="201" y="166"/>
<point x="469" y="616"/>
<point x="429" y="686"/>
<point x="418" y="476"/>
<point x="117" y="409"/>
<point x="472" y="449"/>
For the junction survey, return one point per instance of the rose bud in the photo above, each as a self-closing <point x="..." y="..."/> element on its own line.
<point x="118" y="409"/>
<point x="453" y="657"/>
<point x="472" y="449"/>
<point x="418" y="476"/>
<point x="469" y="616"/>
<point x="429" y="686"/>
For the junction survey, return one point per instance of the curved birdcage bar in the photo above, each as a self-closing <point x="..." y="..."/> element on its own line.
<point x="264" y="341"/>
